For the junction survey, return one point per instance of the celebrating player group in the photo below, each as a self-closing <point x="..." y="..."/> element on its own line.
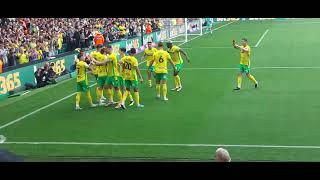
<point x="122" y="76"/>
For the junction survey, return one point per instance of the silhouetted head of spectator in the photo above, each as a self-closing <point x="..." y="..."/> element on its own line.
<point x="132" y="51"/>
<point x="222" y="155"/>
<point x="6" y="156"/>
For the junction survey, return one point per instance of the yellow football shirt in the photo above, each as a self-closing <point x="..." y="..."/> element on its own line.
<point x="94" y="54"/>
<point x="121" y="72"/>
<point x="149" y="53"/>
<point x="245" y="56"/>
<point x="130" y="64"/>
<point x="23" y="58"/>
<point x="161" y="59"/>
<point x="102" y="69"/>
<point x="175" y="54"/>
<point x="81" y="68"/>
<point x="112" y="67"/>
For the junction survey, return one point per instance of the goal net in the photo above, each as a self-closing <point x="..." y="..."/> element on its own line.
<point x="180" y="30"/>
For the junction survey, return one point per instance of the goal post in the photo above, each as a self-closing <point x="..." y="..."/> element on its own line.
<point x="181" y="30"/>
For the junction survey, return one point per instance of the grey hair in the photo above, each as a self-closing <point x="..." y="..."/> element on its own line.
<point x="223" y="154"/>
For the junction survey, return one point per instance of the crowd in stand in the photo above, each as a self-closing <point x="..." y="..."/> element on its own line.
<point x="23" y="40"/>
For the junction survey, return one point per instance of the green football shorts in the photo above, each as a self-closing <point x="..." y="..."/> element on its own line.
<point x="131" y="83"/>
<point x="244" y="68"/>
<point x="161" y="76"/>
<point x="113" y="80"/>
<point x="121" y="81"/>
<point x="179" y="67"/>
<point x="82" y="86"/>
<point x="101" y="81"/>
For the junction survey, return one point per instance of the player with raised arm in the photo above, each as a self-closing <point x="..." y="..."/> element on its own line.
<point x="148" y="52"/>
<point x="131" y="70"/>
<point x="160" y="61"/>
<point x="82" y="82"/>
<point x="245" y="52"/>
<point x="175" y="53"/>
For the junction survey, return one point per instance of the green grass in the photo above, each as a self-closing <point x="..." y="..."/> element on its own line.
<point x="283" y="111"/>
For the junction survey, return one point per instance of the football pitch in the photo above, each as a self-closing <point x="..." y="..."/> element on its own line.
<point x="279" y="121"/>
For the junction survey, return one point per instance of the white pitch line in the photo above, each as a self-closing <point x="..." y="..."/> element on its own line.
<point x="233" y="68"/>
<point x="275" y="67"/>
<point x="261" y="38"/>
<point x="44" y="107"/>
<point x="208" y="47"/>
<point x="25" y="93"/>
<point x="167" y="144"/>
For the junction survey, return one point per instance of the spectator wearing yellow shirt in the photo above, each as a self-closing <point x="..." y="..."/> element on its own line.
<point x="45" y="48"/>
<point x="33" y="43"/>
<point x="60" y="41"/>
<point x="22" y="56"/>
<point x="159" y="24"/>
<point x="40" y="53"/>
<point x="122" y="31"/>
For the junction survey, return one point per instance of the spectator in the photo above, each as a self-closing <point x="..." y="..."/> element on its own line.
<point x="40" y="53"/>
<point x="76" y="37"/>
<point x="45" y="46"/>
<point x="33" y="54"/>
<point x="1" y="66"/>
<point x="222" y="155"/>
<point x="40" y="77"/>
<point x="49" y="73"/>
<point x="88" y="37"/>
<point x="98" y="39"/>
<point x="59" y="41"/>
<point x="148" y="28"/>
<point x="33" y="44"/>
<point x="22" y="56"/>
<point x="122" y="31"/>
<point x="6" y="156"/>
<point x="52" y="47"/>
<point x="50" y="34"/>
<point x="82" y="40"/>
<point x="12" y="59"/>
<point x="3" y="54"/>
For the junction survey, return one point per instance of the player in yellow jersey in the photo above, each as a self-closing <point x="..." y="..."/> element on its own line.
<point x="95" y="54"/>
<point x="175" y="53"/>
<point x="122" y="52"/>
<point x="102" y="74"/>
<point x="131" y="70"/>
<point x="245" y="52"/>
<point x="82" y="82"/>
<point x="113" y="75"/>
<point x="148" y="52"/>
<point x="160" y="61"/>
